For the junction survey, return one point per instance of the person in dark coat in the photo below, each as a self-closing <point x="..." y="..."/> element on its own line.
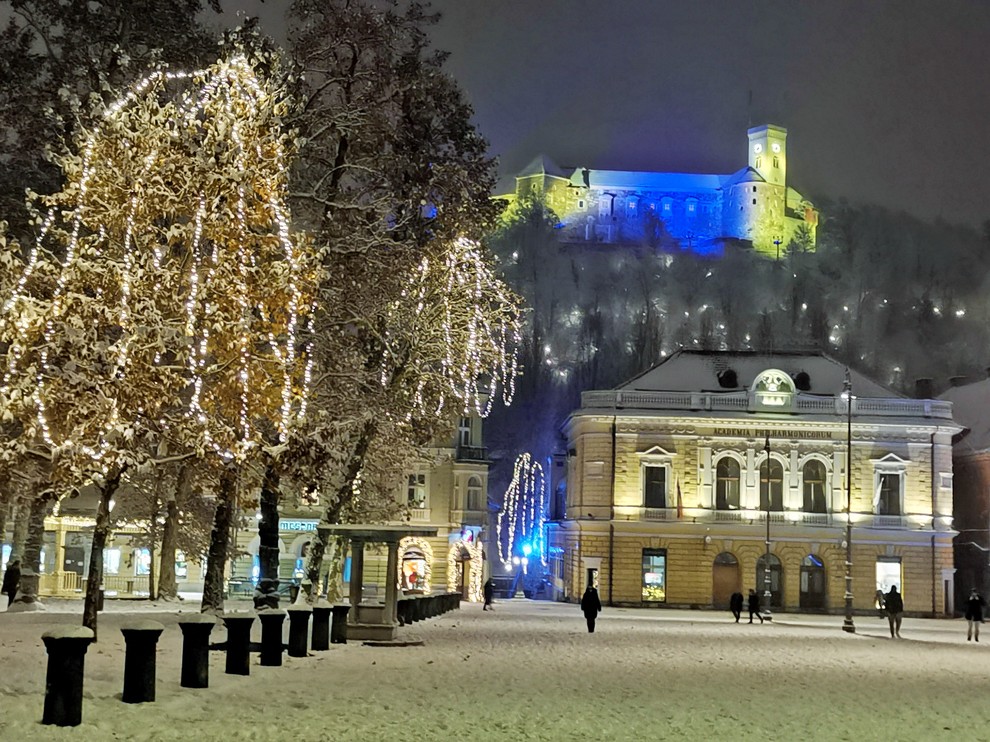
<point x="11" y="580"/>
<point x="736" y="605"/>
<point x="591" y="606"/>
<point x="489" y="592"/>
<point x="754" y="606"/>
<point x="895" y="611"/>
<point x="974" y="614"/>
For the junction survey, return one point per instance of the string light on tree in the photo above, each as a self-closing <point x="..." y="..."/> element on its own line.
<point x="524" y="511"/>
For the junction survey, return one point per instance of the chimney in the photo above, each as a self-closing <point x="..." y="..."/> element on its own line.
<point x="958" y="380"/>
<point x="923" y="388"/>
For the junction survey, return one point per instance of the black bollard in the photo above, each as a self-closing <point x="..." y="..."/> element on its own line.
<point x="238" y="643"/>
<point x="338" y="631"/>
<point x="298" y="629"/>
<point x="196" y="630"/>
<point x="320" y="640"/>
<point x="271" y="637"/>
<point x="141" y="648"/>
<point x="66" y="647"/>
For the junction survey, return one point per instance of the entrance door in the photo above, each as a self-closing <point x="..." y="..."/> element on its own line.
<point x="725" y="579"/>
<point x="776" y="580"/>
<point x="812" y="583"/>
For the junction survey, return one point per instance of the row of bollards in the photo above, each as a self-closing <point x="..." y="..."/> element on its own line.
<point x="67" y="647"/>
<point x="419" y="608"/>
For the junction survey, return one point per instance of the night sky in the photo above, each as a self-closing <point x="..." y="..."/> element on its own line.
<point x="885" y="101"/>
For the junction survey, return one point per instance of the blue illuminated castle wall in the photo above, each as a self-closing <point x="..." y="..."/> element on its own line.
<point x="700" y="212"/>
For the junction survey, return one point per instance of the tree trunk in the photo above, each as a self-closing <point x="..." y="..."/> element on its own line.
<point x="94" y="578"/>
<point x="152" y="539"/>
<point x="168" y="588"/>
<point x="22" y="516"/>
<point x="266" y="592"/>
<point x="344" y="493"/>
<point x="216" y="560"/>
<point x="33" y="516"/>
<point x="4" y="510"/>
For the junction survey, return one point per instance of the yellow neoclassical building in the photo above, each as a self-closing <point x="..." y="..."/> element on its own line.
<point x="673" y="477"/>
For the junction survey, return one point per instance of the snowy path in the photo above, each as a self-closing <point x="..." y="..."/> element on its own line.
<point x="530" y="671"/>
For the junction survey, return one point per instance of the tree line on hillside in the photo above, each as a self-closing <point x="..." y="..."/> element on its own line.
<point x="892" y="296"/>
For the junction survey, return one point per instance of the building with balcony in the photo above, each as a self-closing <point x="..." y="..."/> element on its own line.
<point x="700" y="212"/>
<point x="671" y="480"/>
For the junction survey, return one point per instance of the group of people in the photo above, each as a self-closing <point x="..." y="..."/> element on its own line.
<point x="753" y="604"/>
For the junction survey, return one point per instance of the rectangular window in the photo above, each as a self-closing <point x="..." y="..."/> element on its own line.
<point x="416" y="491"/>
<point x="464" y="431"/>
<point x="654" y="575"/>
<point x="888" y="574"/>
<point x="655" y="486"/>
<point x="887" y="498"/>
<point x="605" y="206"/>
<point x="581" y="204"/>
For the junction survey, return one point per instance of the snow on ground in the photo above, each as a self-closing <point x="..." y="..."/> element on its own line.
<point x="530" y="671"/>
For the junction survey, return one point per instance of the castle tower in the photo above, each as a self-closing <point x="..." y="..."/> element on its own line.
<point x="768" y="153"/>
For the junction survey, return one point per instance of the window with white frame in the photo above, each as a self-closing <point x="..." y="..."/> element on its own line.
<point x="813" y="483"/>
<point x="727" y="484"/>
<point x="416" y="491"/>
<point x="772" y="486"/>
<point x="605" y="206"/>
<point x="889" y="475"/>
<point x="655" y="486"/>
<point x="474" y="493"/>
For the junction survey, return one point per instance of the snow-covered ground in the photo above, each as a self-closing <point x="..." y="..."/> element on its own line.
<point x="530" y="670"/>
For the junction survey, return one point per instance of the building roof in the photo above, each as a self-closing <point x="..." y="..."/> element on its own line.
<point x="635" y="180"/>
<point x="700" y="371"/>
<point x="542" y="165"/>
<point x="746" y="175"/>
<point x="971" y="408"/>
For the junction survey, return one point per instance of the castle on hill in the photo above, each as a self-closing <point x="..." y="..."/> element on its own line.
<point x="700" y="212"/>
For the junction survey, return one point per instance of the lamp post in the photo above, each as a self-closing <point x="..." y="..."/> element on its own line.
<point x="767" y="595"/>
<point x="847" y="623"/>
<point x="777" y="241"/>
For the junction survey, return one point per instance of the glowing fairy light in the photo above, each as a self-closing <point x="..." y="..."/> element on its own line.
<point x="524" y="510"/>
<point x="219" y="272"/>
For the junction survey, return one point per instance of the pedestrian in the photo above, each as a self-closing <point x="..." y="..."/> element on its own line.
<point x="489" y="592"/>
<point x="974" y="614"/>
<point x="11" y="580"/>
<point x="754" y="606"/>
<point x="736" y="605"/>
<point x="591" y="606"/>
<point x="895" y="610"/>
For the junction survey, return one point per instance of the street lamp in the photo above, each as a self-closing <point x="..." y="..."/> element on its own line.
<point x="847" y="624"/>
<point x="766" y="559"/>
<point x="777" y="241"/>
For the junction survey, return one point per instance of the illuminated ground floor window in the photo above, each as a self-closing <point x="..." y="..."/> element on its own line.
<point x="654" y="575"/>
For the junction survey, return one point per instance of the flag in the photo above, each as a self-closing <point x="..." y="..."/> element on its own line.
<point x="680" y="503"/>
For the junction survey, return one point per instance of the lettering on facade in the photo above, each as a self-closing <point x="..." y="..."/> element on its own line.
<point x="297" y="525"/>
<point x="758" y="433"/>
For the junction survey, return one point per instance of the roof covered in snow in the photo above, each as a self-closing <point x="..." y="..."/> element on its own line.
<point x="971" y="408"/>
<point x="705" y="371"/>
<point x="634" y="180"/>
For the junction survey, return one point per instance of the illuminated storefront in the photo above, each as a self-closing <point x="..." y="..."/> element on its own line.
<point x="677" y="481"/>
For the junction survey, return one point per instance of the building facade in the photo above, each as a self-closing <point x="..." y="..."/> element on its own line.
<point x="673" y="478"/>
<point x="702" y="212"/>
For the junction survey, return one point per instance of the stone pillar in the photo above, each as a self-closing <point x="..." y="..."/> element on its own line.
<point x="357" y="574"/>
<point x="321" y="628"/>
<point x="271" y="637"/>
<point x="141" y="642"/>
<point x="298" y="629"/>
<point x="238" y="643"/>
<point x="196" y="649"/>
<point x="338" y="631"/>
<point x="66" y="647"/>
<point x="392" y="583"/>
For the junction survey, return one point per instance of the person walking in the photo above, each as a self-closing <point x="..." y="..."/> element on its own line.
<point x="489" y="592"/>
<point x="736" y="605"/>
<point x="591" y="606"/>
<point x="974" y="614"/>
<point x="754" y="606"/>
<point x="895" y="610"/>
<point x="11" y="580"/>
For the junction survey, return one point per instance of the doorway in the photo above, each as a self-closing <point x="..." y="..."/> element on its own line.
<point x="813" y="593"/>
<point x="725" y="579"/>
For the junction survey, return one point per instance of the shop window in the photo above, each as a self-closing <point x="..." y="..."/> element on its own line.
<point x="655" y="486"/>
<point x="654" y="575"/>
<point x="813" y="480"/>
<point x="727" y="484"/>
<point x="416" y="491"/>
<point x="142" y="561"/>
<point x="111" y="561"/>
<point x="181" y="568"/>
<point x="772" y="486"/>
<point x="474" y="494"/>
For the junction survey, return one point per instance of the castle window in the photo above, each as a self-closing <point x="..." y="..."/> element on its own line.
<point x="581" y="204"/>
<point x="604" y="206"/>
<point x="754" y="201"/>
<point x="776" y="162"/>
<point x="692" y="206"/>
<point x="631" y="206"/>
<point x="754" y="189"/>
<point x="759" y="162"/>
<point x="668" y="205"/>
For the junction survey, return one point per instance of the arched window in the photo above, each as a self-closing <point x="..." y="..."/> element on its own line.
<point x="474" y="494"/>
<point x="727" y="484"/>
<point x="813" y="476"/>
<point x="772" y="486"/>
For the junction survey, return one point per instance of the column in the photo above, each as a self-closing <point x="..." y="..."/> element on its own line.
<point x="391" y="582"/>
<point x="357" y="577"/>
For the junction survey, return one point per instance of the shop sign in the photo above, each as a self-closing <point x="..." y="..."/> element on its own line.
<point x="297" y="525"/>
